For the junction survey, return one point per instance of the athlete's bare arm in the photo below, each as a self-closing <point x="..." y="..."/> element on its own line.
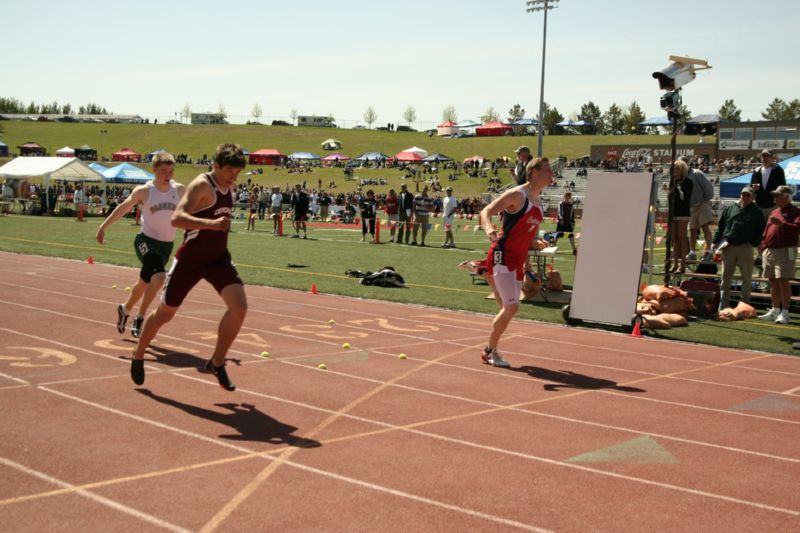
<point x="137" y="197"/>
<point x="198" y="196"/>
<point x="509" y="201"/>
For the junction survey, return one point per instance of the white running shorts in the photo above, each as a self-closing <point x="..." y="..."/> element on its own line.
<point x="506" y="284"/>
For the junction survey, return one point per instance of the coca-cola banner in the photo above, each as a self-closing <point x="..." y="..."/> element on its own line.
<point x="656" y="153"/>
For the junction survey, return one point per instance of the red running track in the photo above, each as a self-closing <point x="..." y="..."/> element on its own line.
<point x="587" y="431"/>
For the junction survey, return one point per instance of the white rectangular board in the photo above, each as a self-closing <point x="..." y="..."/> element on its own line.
<point x="609" y="261"/>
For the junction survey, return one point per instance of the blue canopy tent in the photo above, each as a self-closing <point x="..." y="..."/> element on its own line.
<point x="656" y="121"/>
<point x="732" y="187"/>
<point x="525" y="122"/>
<point x="127" y="173"/>
<point x="306" y="156"/>
<point x="702" y="125"/>
<point x="566" y="123"/>
<point x="98" y="167"/>
<point x="150" y="155"/>
<point x="468" y="123"/>
<point x="372" y="156"/>
<point x="435" y="158"/>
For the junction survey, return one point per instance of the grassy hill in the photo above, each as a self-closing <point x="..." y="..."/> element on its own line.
<point x="196" y="140"/>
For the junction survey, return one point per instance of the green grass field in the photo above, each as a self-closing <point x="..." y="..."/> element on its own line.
<point x="430" y="272"/>
<point x="198" y="140"/>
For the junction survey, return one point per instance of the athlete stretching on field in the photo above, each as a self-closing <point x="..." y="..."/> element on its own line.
<point x="205" y="214"/>
<point x="508" y="255"/>
<point x="153" y="245"/>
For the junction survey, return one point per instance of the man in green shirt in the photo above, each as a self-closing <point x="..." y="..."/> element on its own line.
<point x="739" y="231"/>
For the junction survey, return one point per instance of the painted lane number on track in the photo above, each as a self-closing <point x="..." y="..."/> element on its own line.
<point x="156" y="349"/>
<point x="46" y="357"/>
<point x="321" y="330"/>
<point x="385" y="324"/>
<point x="253" y="339"/>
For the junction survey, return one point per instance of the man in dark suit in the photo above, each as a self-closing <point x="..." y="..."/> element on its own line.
<point x="405" y="214"/>
<point x="765" y="180"/>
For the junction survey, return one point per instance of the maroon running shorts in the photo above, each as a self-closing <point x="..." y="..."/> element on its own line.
<point x="185" y="274"/>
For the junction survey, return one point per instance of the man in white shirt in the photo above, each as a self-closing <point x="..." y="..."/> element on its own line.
<point x="276" y="200"/>
<point x="449" y="206"/>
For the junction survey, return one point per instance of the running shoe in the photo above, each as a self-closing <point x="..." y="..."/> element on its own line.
<point x="772" y="314"/>
<point x="137" y="371"/>
<point x="491" y="357"/>
<point x="783" y="318"/>
<point x="222" y="375"/>
<point x="136" y="326"/>
<point x="122" y="318"/>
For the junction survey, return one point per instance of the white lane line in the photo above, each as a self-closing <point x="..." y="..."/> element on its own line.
<point x="94" y="497"/>
<point x="473" y="316"/>
<point x="439" y="437"/>
<point x="791" y="391"/>
<point x="701" y="408"/>
<point x="251" y="296"/>
<point x="354" y="481"/>
<point x="531" y="411"/>
<point x="293" y="362"/>
<point x="457" y="343"/>
<point x="574" y="466"/>
<point x="416" y="498"/>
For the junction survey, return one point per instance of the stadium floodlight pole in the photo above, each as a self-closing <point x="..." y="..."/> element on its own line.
<point x="533" y="6"/>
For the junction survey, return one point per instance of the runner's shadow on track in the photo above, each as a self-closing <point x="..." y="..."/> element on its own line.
<point x="250" y="423"/>
<point x="174" y="358"/>
<point x="565" y="379"/>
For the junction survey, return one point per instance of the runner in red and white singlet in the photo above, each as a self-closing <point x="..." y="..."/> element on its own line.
<point x="205" y="213"/>
<point x="508" y="254"/>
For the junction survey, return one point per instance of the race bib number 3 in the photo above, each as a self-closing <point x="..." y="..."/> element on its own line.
<point x="498" y="257"/>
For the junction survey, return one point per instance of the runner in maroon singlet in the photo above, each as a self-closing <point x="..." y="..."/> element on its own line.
<point x="205" y="213"/>
<point x="508" y="255"/>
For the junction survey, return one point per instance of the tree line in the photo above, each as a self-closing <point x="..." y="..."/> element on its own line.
<point x="14" y="106"/>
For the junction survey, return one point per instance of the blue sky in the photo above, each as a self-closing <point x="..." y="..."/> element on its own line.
<point x="322" y="57"/>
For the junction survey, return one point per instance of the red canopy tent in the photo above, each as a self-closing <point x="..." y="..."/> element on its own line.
<point x="126" y="154"/>
<point x="408" y="157"/>
<point x="32" y="148"/>
<point x="266" y="156"/>
<point x="493" y="129"/>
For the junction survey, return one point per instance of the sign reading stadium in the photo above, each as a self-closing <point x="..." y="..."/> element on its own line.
<point x="657" y="153"/>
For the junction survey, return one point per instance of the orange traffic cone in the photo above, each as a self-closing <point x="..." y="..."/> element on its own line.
<point x="314" y="288"/>
<point x="637" y="328"/>
<point x="90" y="260"/>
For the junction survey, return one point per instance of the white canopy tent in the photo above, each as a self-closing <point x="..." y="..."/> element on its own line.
<point x="65" y="152"/>
<point x="417" y="150"/>
<point x="59" y="168"/>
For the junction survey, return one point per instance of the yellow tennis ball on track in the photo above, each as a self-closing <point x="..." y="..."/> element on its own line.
<point x="346" y="345"/>
<point x="127" y="289"/>
<point x="331" y="321"/>
<point x="323" y="366"/>
<point x="403" y="356"/>
<point x="264" y="354"/>
<point x="113" y="286"/>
